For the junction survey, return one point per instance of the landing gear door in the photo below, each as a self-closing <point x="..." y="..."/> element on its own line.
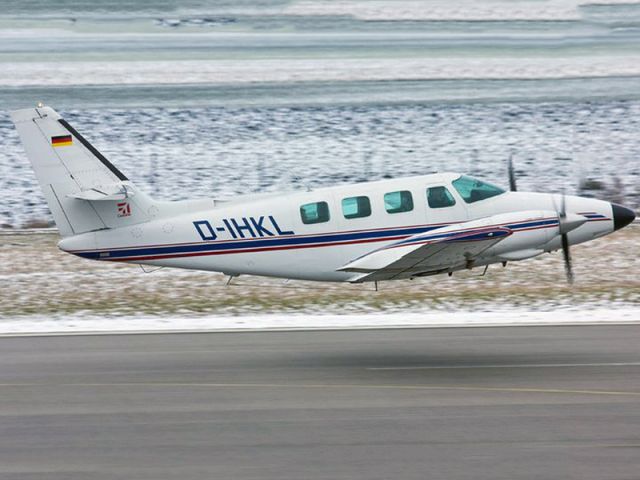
<point x="444" y="205"/>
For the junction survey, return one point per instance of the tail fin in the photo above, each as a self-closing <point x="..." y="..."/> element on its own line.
<point x="85" y="192"/>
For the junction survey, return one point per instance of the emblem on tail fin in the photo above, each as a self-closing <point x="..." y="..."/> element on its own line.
<point x="124" y="209"/>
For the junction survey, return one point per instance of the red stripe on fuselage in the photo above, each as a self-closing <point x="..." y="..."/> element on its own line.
<point x="275" y="248"/>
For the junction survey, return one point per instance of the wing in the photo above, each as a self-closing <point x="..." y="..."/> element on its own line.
<point x="426" y="253"/>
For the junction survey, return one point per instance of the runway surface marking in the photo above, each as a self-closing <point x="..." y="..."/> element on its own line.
<point x="520" y="365"/>
<point x="335" y="386"/>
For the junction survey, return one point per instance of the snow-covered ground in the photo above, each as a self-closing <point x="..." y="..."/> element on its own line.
<point x="44" y="325"/>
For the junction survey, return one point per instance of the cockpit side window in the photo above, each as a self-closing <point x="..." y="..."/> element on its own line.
<point x="440" y="197"/>
<point x="473" y="190"/>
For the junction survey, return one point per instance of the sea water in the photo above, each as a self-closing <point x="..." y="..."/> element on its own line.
<point x="220" y="98"/>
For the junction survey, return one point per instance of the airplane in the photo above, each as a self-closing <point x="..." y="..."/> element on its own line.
<point x="402" y="228"/>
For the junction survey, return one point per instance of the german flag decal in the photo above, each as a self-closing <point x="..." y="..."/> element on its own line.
<point x="61" y="141"/>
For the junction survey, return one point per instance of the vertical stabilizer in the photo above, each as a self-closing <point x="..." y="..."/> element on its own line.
<point x="84" y="191"/>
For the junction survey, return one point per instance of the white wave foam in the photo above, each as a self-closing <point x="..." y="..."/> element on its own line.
<point x="291" y="70"/>
<point x="441" y="10"/>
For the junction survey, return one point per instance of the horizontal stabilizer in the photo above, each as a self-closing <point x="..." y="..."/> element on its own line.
<point x="113" y="192"/>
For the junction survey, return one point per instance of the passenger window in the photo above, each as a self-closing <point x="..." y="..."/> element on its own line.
<point x="473" y="190"/>
<point x="356" y="207"/>
<point x="440" y="197"/>
<point x="397" y="202"/>
<point x="314" y="213"/>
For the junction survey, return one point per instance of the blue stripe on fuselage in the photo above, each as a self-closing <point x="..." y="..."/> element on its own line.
<point x="316" y="240"/>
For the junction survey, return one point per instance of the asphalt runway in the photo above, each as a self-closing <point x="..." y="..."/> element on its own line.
<point x="458" y="403"/>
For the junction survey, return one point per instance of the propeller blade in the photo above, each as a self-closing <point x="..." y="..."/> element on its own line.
<point x="512" y="175"/>
<point x="565" y="225"/>
<point x="568" y="268"/>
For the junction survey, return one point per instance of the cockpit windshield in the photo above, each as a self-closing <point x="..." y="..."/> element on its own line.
<point x="473" y="190"/>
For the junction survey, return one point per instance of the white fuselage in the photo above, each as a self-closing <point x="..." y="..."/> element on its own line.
<point x="267" y="236"/>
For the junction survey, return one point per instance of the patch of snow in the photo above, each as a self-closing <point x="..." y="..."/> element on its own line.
<point x="80" y="324"/>
<point x="243" y="71"/>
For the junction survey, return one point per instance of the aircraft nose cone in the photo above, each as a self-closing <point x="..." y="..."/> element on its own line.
<point x="622" y="216"/>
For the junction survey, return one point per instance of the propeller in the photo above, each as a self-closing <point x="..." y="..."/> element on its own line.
<point x="563" y="224"/>
<point x="512" y="175"/>
<point x="566" y="222"/>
